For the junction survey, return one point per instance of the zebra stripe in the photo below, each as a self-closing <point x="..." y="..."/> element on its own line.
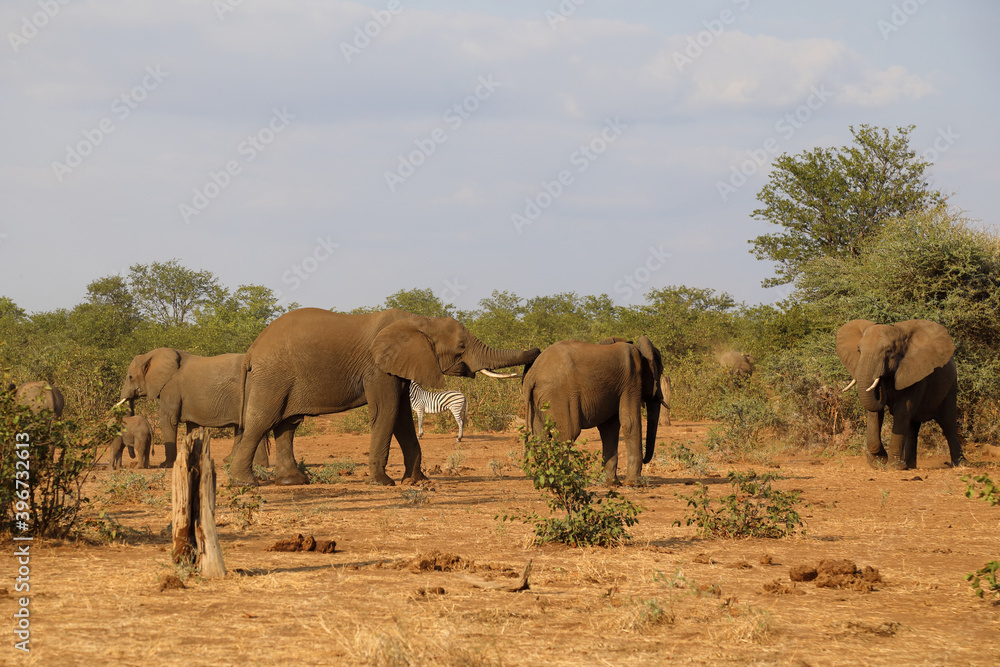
<point x="433" y="402"/>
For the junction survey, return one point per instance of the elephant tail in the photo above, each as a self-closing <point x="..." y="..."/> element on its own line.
<point x="528" y="389"/>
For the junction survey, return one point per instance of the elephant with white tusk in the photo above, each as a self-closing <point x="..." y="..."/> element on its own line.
<point x="313" y="362"/>
<point x="908" y="368"/>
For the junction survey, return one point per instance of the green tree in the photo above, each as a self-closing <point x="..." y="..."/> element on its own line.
<point x="169" y="294"/>
<point x="830" y="201"/>
<point x="420" y="302"/>
<point x="10" y="309"/>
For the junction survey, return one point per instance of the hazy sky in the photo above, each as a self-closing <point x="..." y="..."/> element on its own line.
<point x="340" y="151"/>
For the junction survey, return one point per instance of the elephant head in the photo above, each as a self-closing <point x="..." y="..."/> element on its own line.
<point x="425" y="349"/>
<point x="148" y="373"/>
<point x="898" y="355"/>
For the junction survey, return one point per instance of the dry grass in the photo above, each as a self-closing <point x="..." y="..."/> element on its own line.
<point x="654" y="601"/>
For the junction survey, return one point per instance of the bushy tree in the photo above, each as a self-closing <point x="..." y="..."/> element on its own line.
<point x="829" y="202"/>
<point x="168" y="293"/>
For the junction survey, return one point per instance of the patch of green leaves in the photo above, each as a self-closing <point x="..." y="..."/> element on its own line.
<point x="754" y="509"/>
<point x="981" y="486"/>
<point x="987" y="575"/>
<point x="124" y="487"/>
<point x="563" y="473"/>
<point x="332" y="472"/>
<point x="244" y="504"/>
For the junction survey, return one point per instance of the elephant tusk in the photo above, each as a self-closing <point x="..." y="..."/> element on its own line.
<point x="502" y="376"/>
<point x="853" y="382"/>
<point x="874" y="384"/>
<point x="119" y="403"/>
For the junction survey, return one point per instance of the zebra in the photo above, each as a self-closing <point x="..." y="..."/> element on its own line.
<point x="433" y="402"/>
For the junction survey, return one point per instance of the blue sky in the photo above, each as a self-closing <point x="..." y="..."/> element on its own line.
<point x="535" y="147"/>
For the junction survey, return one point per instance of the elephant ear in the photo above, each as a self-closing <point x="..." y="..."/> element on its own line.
<point x="928" y="347"/>
<point x="612" y="340"/>
<point x="403" y="349"/>
<point x="652" y="366"/>
<point x="847" y="342"/>
<point x="157" y="369"/>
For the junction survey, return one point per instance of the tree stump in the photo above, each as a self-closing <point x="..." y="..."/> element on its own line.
<point x="195" y="537"/>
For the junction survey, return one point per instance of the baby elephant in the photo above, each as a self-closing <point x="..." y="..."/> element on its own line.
<point x="137" y="435"/>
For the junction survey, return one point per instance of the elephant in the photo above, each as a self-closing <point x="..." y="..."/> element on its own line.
<point x="667" y="390"/>
<point x="137" y="435"/>
<point x="604" y="385"/>
<point x="190" y="389"/>
<point x="740" y="365"/>
<point x="40" y="395"/>
<point x="311" y="361"/>
<point x="909" y="368"/>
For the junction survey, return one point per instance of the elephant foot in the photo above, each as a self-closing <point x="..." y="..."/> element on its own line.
<point x="898" y="464"/>
<point x="961" y="462"/>
<point x="635" y="483"/>
<point x="167" y="464"/>
<point x="877" y="460"/>
<point x="295" y="478"/>
<point x="242" y="479"/>
<point x="382" y="479"/>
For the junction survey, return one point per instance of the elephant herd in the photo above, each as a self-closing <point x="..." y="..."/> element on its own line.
<point x="311" y="362"/>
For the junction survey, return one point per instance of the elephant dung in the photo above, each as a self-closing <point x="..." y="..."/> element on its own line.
<point x="305" y="543"/>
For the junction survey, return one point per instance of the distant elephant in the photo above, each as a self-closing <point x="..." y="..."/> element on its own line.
<point x="909" y="368"/>
<point x="603" y="385"/>
<point x="40" y="395"/>
<point x="740" y="365"/>
<point x="193" y="390"/>
<point x="137" y="436"/>
<point x="312" y="362"/>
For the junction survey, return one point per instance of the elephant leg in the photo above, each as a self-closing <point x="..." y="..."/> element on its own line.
<point x="147" y="444"/>
<point x="609" y="440"/>
<point x="947" y="419"/>
<point x="383" y="406"/>
<point x="910" y="446"/>
<point x="900" y="428"/>
<point x="260" y="457"/>
<point x="876" y="453"/>
<point x="117" y="446"/>
<point x="286" y="472"/>
<point x="631" y="421"/>
<point x="406" y="436"/>
<point x="168" y="424"/>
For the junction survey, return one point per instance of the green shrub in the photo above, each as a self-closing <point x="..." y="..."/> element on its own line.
<point x="754" y="509"/>
<point x="745" y="420"/>
<point x="356" y="421"/>
<point x="564" y="473"/>
<point x="990" y="491"/>
<point x="332" y="472"/>
<point x="681" y="451"/>
<point x="244" y="504"/>
<point x="122" y="487"/>
<point x="988" y="575"/>
<point x="44" y="464"/>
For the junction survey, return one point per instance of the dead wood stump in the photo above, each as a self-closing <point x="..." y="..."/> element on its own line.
<point x="193" y="518"/>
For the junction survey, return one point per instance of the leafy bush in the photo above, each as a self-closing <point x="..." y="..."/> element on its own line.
<point x="244" y="504"/>
<point x="754" y="509"/>
<point x="744" y="422"/>
<point x="121" y="487"/>
<point x="988" y="575"/>
<point x="356" y="421"/>
<point x="44" y="464"/>
<point x="332" y="472"/>
<point x="564" y="473"/>
<point x="990" y="491"/>
<point x="696" y="462"/>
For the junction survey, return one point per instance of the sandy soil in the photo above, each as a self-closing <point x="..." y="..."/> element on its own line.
<point x="384" y="597"/>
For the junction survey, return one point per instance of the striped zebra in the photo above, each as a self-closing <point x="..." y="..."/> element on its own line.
<point x="433" y="402"/>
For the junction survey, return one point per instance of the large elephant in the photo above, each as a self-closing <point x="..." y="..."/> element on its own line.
<point x="40" y="395"/>
<point x="908" y="368"/>
<point x="739" y="365"/>
<point x="136" y="436"/>
<point x="190" y="389"/>
<point x="312" y="362"/>
<point x="603" y="385"/>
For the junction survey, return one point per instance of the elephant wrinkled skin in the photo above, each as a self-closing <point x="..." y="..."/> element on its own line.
<point x="313" y="362"/>
<point x="908" y="368"/>
<point x="603" y="385"/>
<point x="40" y="395"/>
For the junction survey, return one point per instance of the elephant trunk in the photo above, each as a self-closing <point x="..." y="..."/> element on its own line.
<point x="480" y="356"/>
<point x="652" y="421"/>
<point x="867" y="372"/>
